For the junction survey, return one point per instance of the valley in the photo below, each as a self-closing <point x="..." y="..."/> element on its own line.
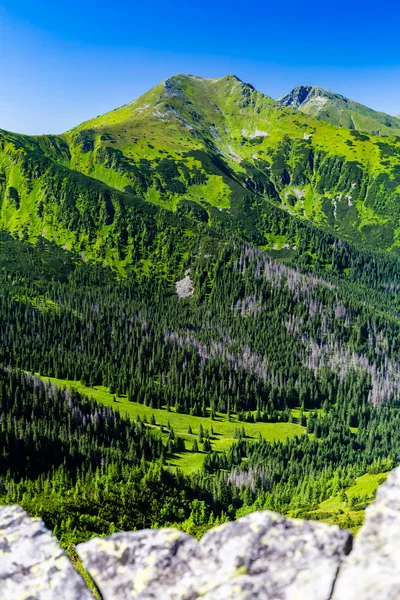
<point x="222" y="433"/>
<point x="208" y="283"/>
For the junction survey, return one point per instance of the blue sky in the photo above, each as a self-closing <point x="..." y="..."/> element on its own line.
<point x="61" y="63"/>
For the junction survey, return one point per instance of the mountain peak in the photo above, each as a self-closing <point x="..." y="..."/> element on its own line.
<point x="296" y="97"/>
<point x="340" y="111"/>
<point x="191" y="77"/>
<point x="181" y="90"/>
<point x="232" y="77"/>
<point x="178" y="85"/>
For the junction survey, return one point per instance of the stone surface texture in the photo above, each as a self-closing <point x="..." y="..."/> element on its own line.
<point x="184" y="287"/>
<point x="372" y="571"/>
<point x="262" y="555"/>
<point x="32" y="564"/>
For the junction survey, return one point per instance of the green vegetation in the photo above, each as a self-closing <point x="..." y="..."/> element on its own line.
<point x="198" y="366"/>
<point x="207" y="340"/>
<point x="209" y="156"/>
<point x="222" y="432"/>
<point x="347" y="508"/>
<point x="340" y="111"/>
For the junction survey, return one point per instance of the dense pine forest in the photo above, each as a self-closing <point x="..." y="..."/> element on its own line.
<point x="259" y="341"/>
<point x="197" y="320"/>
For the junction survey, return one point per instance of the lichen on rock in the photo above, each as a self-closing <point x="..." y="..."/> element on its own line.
<point x="32" y="564"/>
<point x="262" y="555"/>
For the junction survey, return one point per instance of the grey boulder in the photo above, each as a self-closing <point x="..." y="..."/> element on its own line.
<point x="32" y="564"/>
<point x="262" y="555"/>
<point x="372" y="571"/>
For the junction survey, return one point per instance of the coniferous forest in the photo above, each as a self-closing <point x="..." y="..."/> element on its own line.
<point x="180" y="341"/>
<point x="260" y="341"/>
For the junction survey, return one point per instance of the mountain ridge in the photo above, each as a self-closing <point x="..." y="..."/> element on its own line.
<point x="211" y="282"/>
<point x="215" y="149"/>
<point x="339" y="110"/>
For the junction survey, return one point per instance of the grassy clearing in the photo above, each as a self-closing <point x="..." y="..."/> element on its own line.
<point x="348" y="507"/>
<point x="221" y="430"/>
<point x="363" y="489"/>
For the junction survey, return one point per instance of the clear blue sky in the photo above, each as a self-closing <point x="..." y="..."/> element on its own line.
<point x="63" y="62"/>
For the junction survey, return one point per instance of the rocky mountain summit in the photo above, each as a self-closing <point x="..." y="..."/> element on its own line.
<point x="296" y="97"/>
<point x="262" y="555"/>
<point x="340" y="111"/>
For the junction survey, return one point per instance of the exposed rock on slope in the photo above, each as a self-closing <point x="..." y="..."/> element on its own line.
<point x="296" y="97"/>
<point x="184" y="287"/>
<point x="339" y="110"/>
<point x="262" y="555"/>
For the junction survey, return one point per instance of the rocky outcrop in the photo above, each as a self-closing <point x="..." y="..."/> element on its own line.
<point x="372" y="571"/>
<point x="184" y="287"/>
<point x="260" y="556"/>
<point x="32" y="564"/>
<point x="296" y="97"/>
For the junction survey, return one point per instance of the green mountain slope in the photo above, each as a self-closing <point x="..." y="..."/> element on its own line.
<point x="222" y="144"/>
<point x="217" y="151"/>
<point x="339" y="110"/>
<point x="217" y="349"/>
<point x="40" y="197"/>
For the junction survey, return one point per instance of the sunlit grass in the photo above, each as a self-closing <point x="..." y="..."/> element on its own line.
<point x="221" y="431"/>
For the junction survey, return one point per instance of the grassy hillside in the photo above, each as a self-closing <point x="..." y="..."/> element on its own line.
<point x="215" y="153"/>
<point x="347" y="507"/>
<point x="221" y="143"/>
<point x="339" y="110"/>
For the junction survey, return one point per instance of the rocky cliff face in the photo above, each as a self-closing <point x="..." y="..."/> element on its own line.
<point x="296" y="97"/>
<point x="262" y="555"/>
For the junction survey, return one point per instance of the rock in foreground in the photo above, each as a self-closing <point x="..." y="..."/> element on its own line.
<point x="262" y="555"/>
<point x="32" y="564"/>
<point x="372" y="571"/>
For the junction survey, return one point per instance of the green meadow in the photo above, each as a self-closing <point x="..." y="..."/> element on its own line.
<point x="347" y="508"/>
<point x="221" y="431"/>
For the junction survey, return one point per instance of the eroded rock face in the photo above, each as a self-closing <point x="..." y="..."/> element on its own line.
<point x="296" y="97"/>
<point x="262" y="555"/>
<point x="32" y="564"/>
<point x="372" y="571"/>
